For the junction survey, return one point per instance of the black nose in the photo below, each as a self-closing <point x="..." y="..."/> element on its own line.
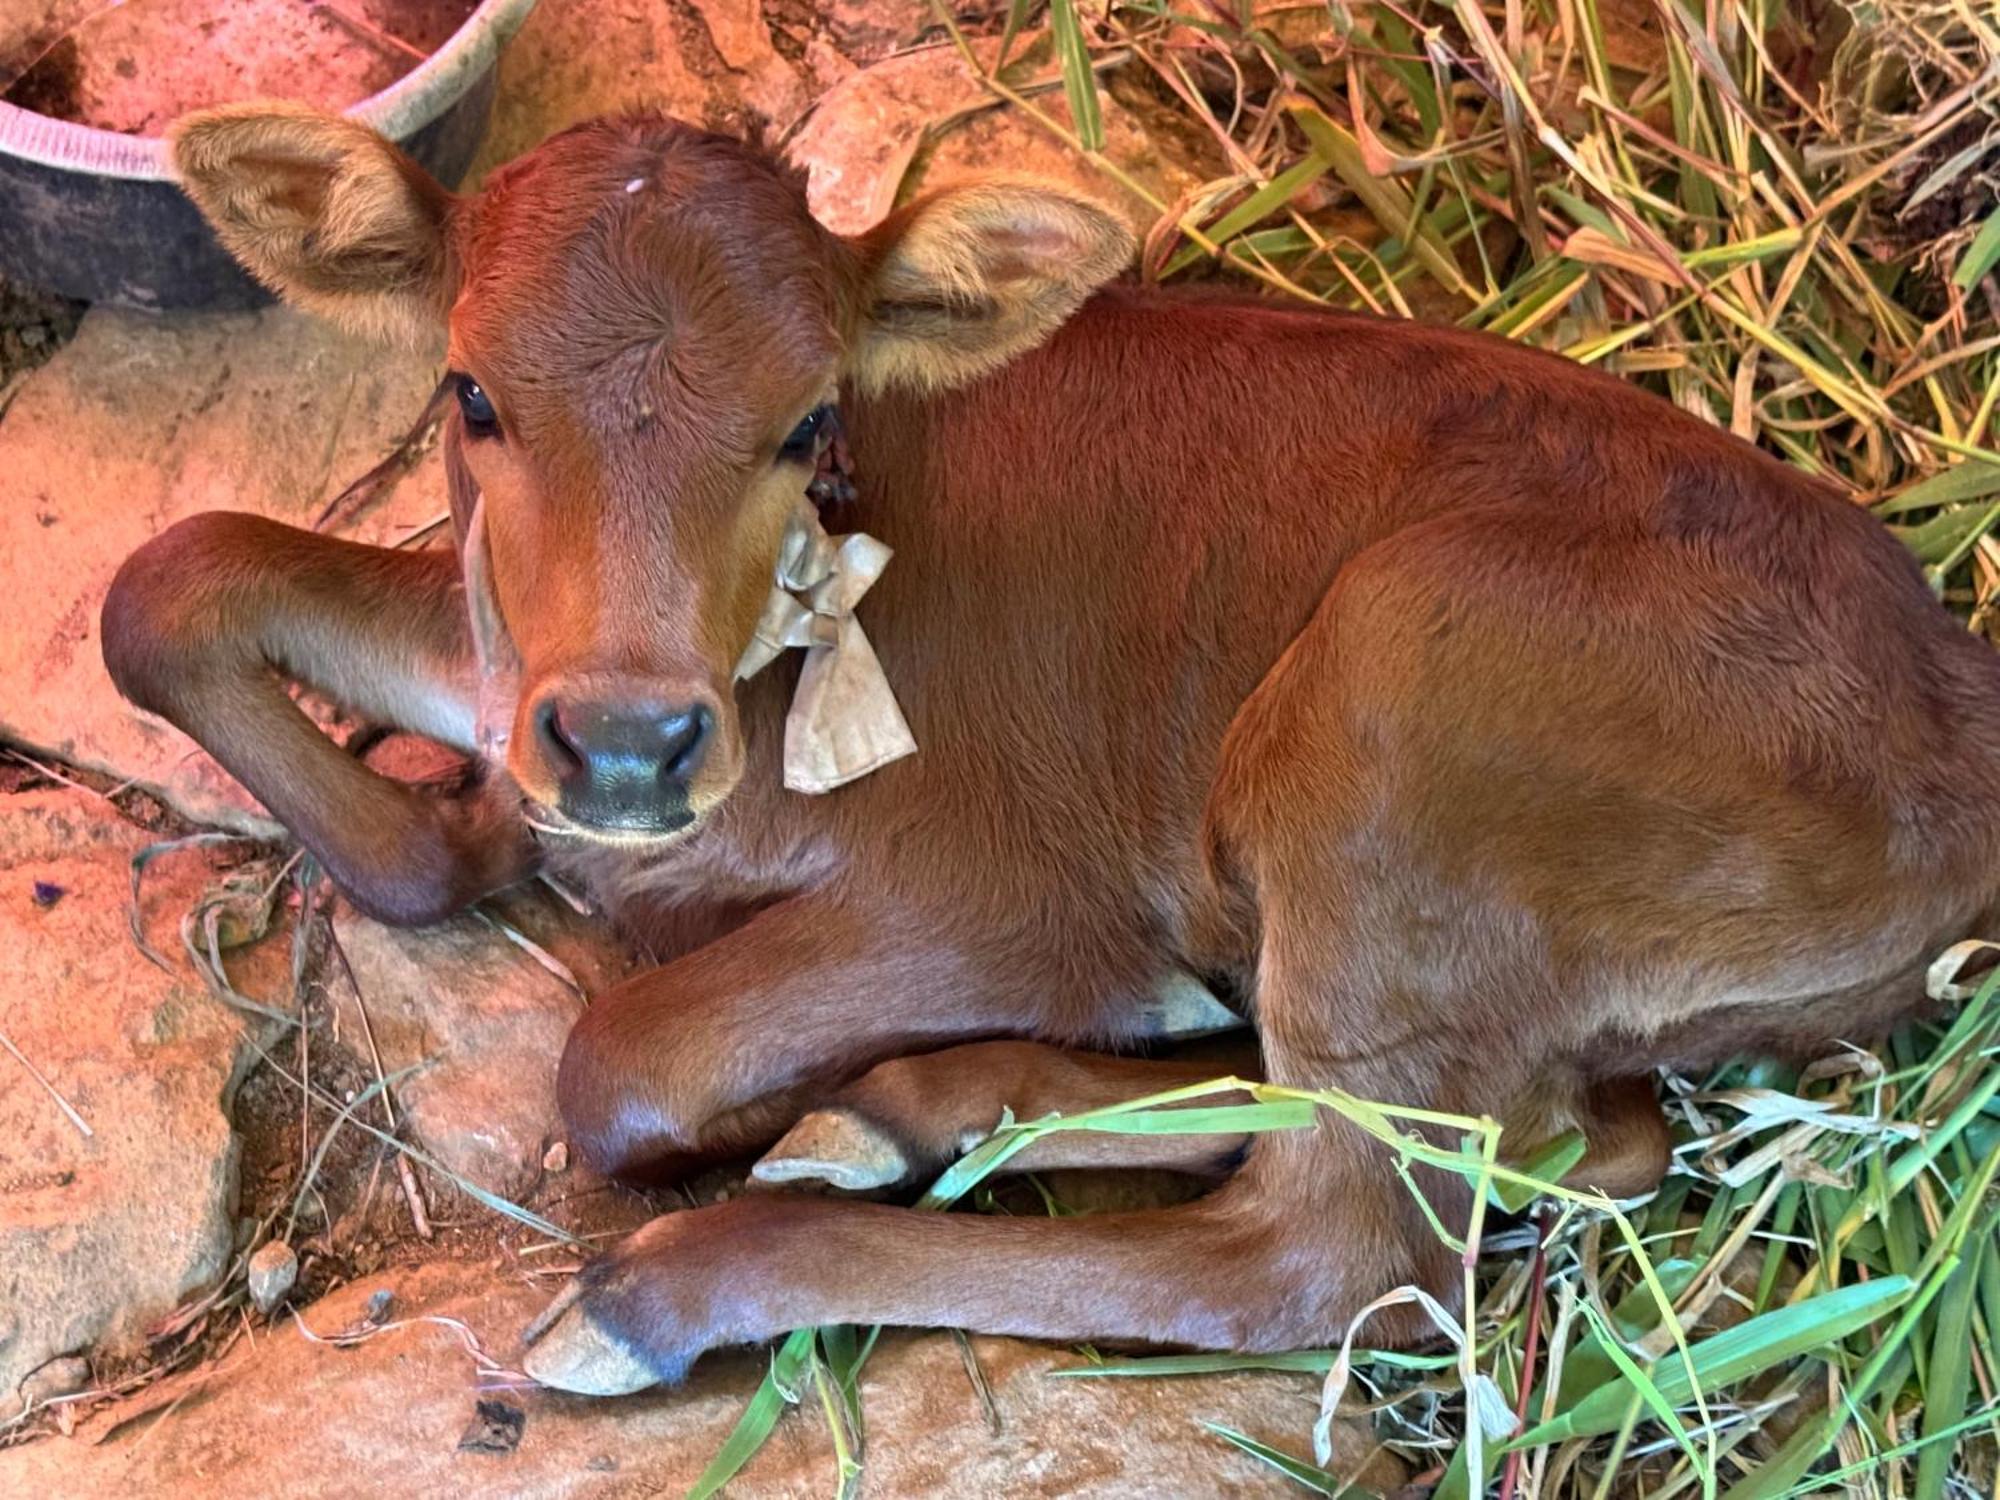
<point x="624" y="765"/>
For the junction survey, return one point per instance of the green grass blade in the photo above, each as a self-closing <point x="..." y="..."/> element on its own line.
<point x="1260" y="205"/>
<point x="1981" y="255"/>
<point x="844" y="1354"/>
<point x="1390" y="205"/>
<point x="1610" y="1408"/>
<point x="1948" y="1377"/>
<point x="1777" y="1475"/>
<point x="1549" y="1162"/>
<point x="780" y="1388"/>
<point x="1297" y="1469"/>
<point x="1724" y="1358"/>
<point x="1633" y="1316"/>
<point x="1311" y="1361"/>
<point x="1017" y="14"/>
<point x="1971" y="480"/>
<point x="1221" y="1119"/>
<point x="1079" y="78"/>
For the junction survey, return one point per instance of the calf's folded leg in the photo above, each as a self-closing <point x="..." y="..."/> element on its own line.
<point x="716" y="1053"/>
<point x="206" y="624"/>
<point x="1315" y="1225"/>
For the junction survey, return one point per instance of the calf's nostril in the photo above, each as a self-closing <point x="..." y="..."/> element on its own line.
<point x="557" y="742"/>
<point x="685" y="737"/>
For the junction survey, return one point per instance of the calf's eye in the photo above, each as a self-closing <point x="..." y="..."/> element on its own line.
<point x="803" y="446"/>
<point x="477" y="408"/>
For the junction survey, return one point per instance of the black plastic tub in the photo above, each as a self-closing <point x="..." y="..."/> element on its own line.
<point x="96" y="215"/>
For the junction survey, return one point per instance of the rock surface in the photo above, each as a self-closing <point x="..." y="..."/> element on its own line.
<point x="921" y="120"/>
<point x="287" y="1416"/>
<point x="488" y="1019"/>
<point x="575" y="59"/>
<point x="866" y="31"/>
<point x="751" y="67"/>
<point x="59" y="1377"/>
<point x="100" y="1235"/>
<point x="135" y="424"/>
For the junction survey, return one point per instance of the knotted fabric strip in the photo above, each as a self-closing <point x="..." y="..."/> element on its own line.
<point x="844" y="720"/>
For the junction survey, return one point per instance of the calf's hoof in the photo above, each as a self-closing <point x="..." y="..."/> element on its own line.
<point x="835" y="1147"/>
<point x="568" y="1351"/>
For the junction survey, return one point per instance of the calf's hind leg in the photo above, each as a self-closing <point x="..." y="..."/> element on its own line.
<point x="904" y="1120"/>
<point x="1626" y="1145"/>
<point x="1315" y="1225"/>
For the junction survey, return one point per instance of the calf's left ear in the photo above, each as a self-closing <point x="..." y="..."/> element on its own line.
<point x="324" y="211"/>
<point x="962" y="281"/>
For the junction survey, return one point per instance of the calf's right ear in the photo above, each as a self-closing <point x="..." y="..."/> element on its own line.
<point x="323" y="211"/>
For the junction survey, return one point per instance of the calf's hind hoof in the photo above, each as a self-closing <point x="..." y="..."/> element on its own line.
<point x="837" y="1148"/>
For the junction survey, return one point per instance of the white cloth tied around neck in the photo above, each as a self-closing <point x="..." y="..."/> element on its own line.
<point x="844" y="720"/>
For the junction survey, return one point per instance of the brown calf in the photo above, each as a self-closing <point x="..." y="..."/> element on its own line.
<point x="1495" y="731"/>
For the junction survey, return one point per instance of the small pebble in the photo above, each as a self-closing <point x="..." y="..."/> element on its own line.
<point x="48" y="893"/>
<point x="379" y="1305"/>
<point x="273" y="1269"/>
<point x="556" y="1158"/>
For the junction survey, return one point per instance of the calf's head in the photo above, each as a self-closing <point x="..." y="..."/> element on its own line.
<point x="646" y="332"/>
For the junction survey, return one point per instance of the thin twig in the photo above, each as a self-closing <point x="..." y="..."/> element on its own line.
<point x="1531" y="1345"/>
<point x="36" y="1073"/>
<point x="387" y="42"/>
<point x="420" y="1217"/>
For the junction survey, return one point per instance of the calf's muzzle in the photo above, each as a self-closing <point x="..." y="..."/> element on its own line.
<point x="623" y="763"/>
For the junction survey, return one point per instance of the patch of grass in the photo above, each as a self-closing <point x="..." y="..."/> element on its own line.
<point x="1784" y="216"/>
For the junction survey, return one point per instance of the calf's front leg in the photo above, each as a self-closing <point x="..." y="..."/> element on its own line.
<point x="716" y="1053"/>
<point x="205" y="624"/>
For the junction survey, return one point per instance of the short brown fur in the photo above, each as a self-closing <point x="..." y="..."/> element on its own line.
<point x="1494" y="730"/>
